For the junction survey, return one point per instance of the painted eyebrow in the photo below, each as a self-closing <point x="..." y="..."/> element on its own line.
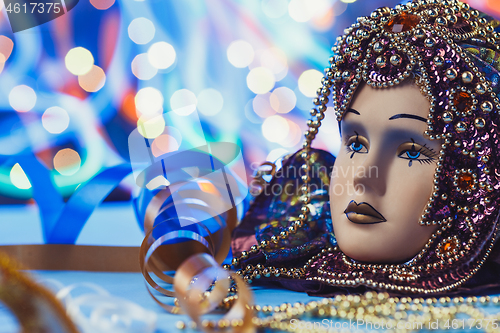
<point x="353" y="111"/>
<point x="409" y="116"/>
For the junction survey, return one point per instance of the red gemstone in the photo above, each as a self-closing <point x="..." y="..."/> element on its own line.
<point x="465" y="181"/>
<point x="402" y="22"/>
<point x="463" y="101"/>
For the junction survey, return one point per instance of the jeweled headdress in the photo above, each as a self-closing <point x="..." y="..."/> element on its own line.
<point x="452" y="53"/>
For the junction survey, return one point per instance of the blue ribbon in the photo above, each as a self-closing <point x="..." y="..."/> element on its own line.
<point x="63" y="222"/>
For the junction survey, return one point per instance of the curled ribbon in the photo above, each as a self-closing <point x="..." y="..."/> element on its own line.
<point x="190" y="295"/>
<point x="200" y="284"/>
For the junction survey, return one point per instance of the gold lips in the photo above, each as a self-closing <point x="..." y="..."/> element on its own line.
<point x="363" y="213"/>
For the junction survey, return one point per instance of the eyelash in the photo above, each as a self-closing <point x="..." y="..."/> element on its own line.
<point x="424" y="150"/>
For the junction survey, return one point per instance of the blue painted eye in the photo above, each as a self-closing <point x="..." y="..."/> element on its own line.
<point x="412" y="154"/>
<point x="356" y="146"/>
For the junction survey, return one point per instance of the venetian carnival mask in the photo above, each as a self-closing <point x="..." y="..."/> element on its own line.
<point x="382" y="177"/>
<point x="451" y="52"/>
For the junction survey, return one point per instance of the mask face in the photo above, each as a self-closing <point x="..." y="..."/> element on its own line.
<point x="383" y="175"/>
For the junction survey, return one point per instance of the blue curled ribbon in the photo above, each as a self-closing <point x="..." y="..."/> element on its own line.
<point x="63" y="222"/>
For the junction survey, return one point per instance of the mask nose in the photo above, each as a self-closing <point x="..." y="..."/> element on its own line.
<point x="369" y="175"/>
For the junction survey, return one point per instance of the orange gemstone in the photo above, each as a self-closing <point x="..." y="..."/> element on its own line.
<point x="402" y="22"/>
<point x="463" y="101"/>
<point x="449" y="247"/>
<point x="406" y="275"/>
<point x="465" y="181"/>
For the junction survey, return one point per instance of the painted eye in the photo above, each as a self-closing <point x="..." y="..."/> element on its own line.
<point x="413" y="151"/>
<point x="356" y="146"/>
<point x="412" y="154"/>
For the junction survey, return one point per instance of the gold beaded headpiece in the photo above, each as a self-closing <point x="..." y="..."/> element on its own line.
<point x="452" y="52"/>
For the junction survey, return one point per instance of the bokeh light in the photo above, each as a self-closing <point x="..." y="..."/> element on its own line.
<point x="22" y="98"/>
<point x="294" y="135"/>
<point x="149" y="101"/>
<point x="250" y="113"/>
<point x="183" y="102"/>
<point x="102" y="4"/>
<point x="260" y="80"/>
<point x="283" y="100"/>
<point x="141" y="30"/>
<point x="273" y="59"/>
<point x="299" y="10"/>
<point x="348" y="1"/>
<point x="210" y="102"/>
<point x="325" y="21"/>
<point x="142" y="68"/>
<point x="55" y="120"/>
<point x="339" y="7"/>
<point x="6" y="46"/>
<point x="67" y="162"/>
<point x="79" y="61"/>
<point x="151" y="128"/>
<point x="92" y="81"/>
<point x="161" y="55"/>
<point x="164" y="144"/>
<point x="309" y="82"/>
<point x="274" y="8"/>
<point x="305" y="10"/>
<point x="275" y="128"/>
<point x="18" y="178"/>
<point x="240" y="53"/>
<point x="262" y="105"/>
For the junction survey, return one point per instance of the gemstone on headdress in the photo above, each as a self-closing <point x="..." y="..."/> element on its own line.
<point x="438" y="61"/>
<point x="467" y="77"/>
<point x="487" y="107"/>
<point x="452" y="19"/>
<point x="447" y="117"/>
<point x="463" y="101"/>
<point x="451" y="73"/>
<point x="448" y="247"/>
<point x="480" y="88"/>
<point x="479" y="123"/>
<point x="465" y="181"/>
<point x="460" y="127"/>
<point x="355" y="55"/>
<point x="429" y="42"/>
<point x="396" y="60"/>
<point x="381" y="61"/>
<point x="402" y="23"/>
<point x="441" y="21"/>
<point x="419" y="33"/>
<point x="405" y="276"/>
<point x="378" y="47"/>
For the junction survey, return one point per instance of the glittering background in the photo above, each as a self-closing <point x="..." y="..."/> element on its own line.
<point x="73" y="89"/>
